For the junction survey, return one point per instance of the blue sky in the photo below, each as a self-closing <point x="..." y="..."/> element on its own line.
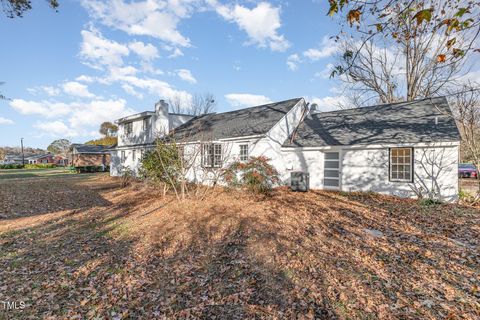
<point x="96" y="61"/>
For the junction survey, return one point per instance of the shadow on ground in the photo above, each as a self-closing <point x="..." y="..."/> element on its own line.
<point x="233" y="256"/>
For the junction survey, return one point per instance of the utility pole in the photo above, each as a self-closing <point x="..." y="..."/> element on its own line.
<point x="23" y="156"/>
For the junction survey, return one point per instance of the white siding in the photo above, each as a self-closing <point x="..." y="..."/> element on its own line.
<point x="305" y="161"/>
<point x="158" y="124"/>
<point x="271" y="145"/>
<point x="367" y="169"/>
<point x="138" y="135"/>
<point x="435" y="171"/>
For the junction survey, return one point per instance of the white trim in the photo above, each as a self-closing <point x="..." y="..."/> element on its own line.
<point x="286" y="117"/>
<point x="411" y="164"/>
<point x="242" y="139"/>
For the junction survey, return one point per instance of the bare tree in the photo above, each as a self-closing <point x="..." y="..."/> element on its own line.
<point x="467" y="113"/>
<point x="417" y="48"/>
<point x="201" y="103"/>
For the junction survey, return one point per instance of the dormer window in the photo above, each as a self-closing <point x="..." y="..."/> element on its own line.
<point x="128" y="128"/>
<point x="146" y="123"/>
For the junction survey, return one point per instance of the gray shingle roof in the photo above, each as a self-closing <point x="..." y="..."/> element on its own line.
<point x="239" y="123"/>
<point x="90" y="148"/>
<point x="38" y="156"/>
<point x="406" y="122"/>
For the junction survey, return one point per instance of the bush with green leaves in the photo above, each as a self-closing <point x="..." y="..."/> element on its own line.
<point x="256" y="175"/>
<point x="40" y="166"/>
<point x="162" y="164"/>
<point x="11" y="166"/>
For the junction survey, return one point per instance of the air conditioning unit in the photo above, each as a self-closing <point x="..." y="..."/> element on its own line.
<point x="299" y="181"/>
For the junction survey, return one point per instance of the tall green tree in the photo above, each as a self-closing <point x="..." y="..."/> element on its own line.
<point x="108" y="129"/>
<point x="17" y="8"/>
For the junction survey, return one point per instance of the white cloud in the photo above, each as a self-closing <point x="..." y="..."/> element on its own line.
<point x="97" y="51"/>
<point x="176" y="53"/>
<point x="77" y="89"/>
<point x="97" y="111"/>
<point x="329" y="103"/>
<point x="145" y="51"/>
<point x="325" y="73"/>
<point x="154" y="18"/>
<point x="5" y="121"/>
<point x="84" y="78"/>
<point x="186" y="75"/>
<point x="55" y="129"/>
<point x="73" y="119"/>
<point x="260" y="23"/>
<point x="153" y="86"/>
<point x="49" y="90"/>
<point x="246" y="99"/>
<point x="328" y="47"/>
<point x="292" y="61"/>
<point x="44" y="108"/>
<point x="130" y="90"/>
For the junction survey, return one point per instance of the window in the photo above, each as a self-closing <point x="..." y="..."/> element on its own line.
<point x="401" y="164"/>
<point x="141" y="154"/>
<point x="128" y="128"/>
<point x="212" y="155"/>
<point x="244" y="152"/>
<point x="145" y="124"/>
<point x="123" y="156"/>
<point x="134" y="155"/>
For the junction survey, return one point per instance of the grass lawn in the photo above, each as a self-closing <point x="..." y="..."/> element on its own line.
<point x="81" y="247"/>
<point x="32" y="173"/>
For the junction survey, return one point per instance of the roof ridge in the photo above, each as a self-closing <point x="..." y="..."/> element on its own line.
<point x="376" y="106"/>
<point x="262" y="105"/>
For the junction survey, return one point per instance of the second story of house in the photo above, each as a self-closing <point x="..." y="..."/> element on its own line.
<point x="143" y="128"/>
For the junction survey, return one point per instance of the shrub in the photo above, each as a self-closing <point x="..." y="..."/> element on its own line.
<point x="468" y="198"/>
<point x="256" y="175"/>
<point x="127" y="176"/>
<point x="11" y="166"/>
<point x="40" y="166"/>
<point x="427" y="202"/>
<point x="162" y="164"/>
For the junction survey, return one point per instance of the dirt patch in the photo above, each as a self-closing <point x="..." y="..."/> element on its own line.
<point x="129" y="253"/>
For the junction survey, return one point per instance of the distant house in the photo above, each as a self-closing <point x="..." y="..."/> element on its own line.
<point x="13" y="159"/>
<point x="60" y="160"/>
<point x="40" y="158"/>
<point x="87" y="155"/>
<point x="405" y="149"/>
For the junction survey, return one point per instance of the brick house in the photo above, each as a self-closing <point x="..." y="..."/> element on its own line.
<point x="87" y="155"/>
<point x="42" y="158"/>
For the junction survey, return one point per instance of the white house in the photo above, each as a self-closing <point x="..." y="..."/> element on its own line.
<point x="403" y="149"/>
<point x="137" y="133"/>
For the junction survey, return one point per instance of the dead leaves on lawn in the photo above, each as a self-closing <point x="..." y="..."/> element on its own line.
<point x="129" y="253"/>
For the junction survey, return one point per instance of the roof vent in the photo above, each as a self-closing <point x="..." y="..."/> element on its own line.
<point x="436" y="120"/>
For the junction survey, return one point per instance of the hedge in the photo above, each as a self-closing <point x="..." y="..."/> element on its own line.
<point x="40" y="166"/>
<point x="11" y="166"/>
<point x="28" y="166"/>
